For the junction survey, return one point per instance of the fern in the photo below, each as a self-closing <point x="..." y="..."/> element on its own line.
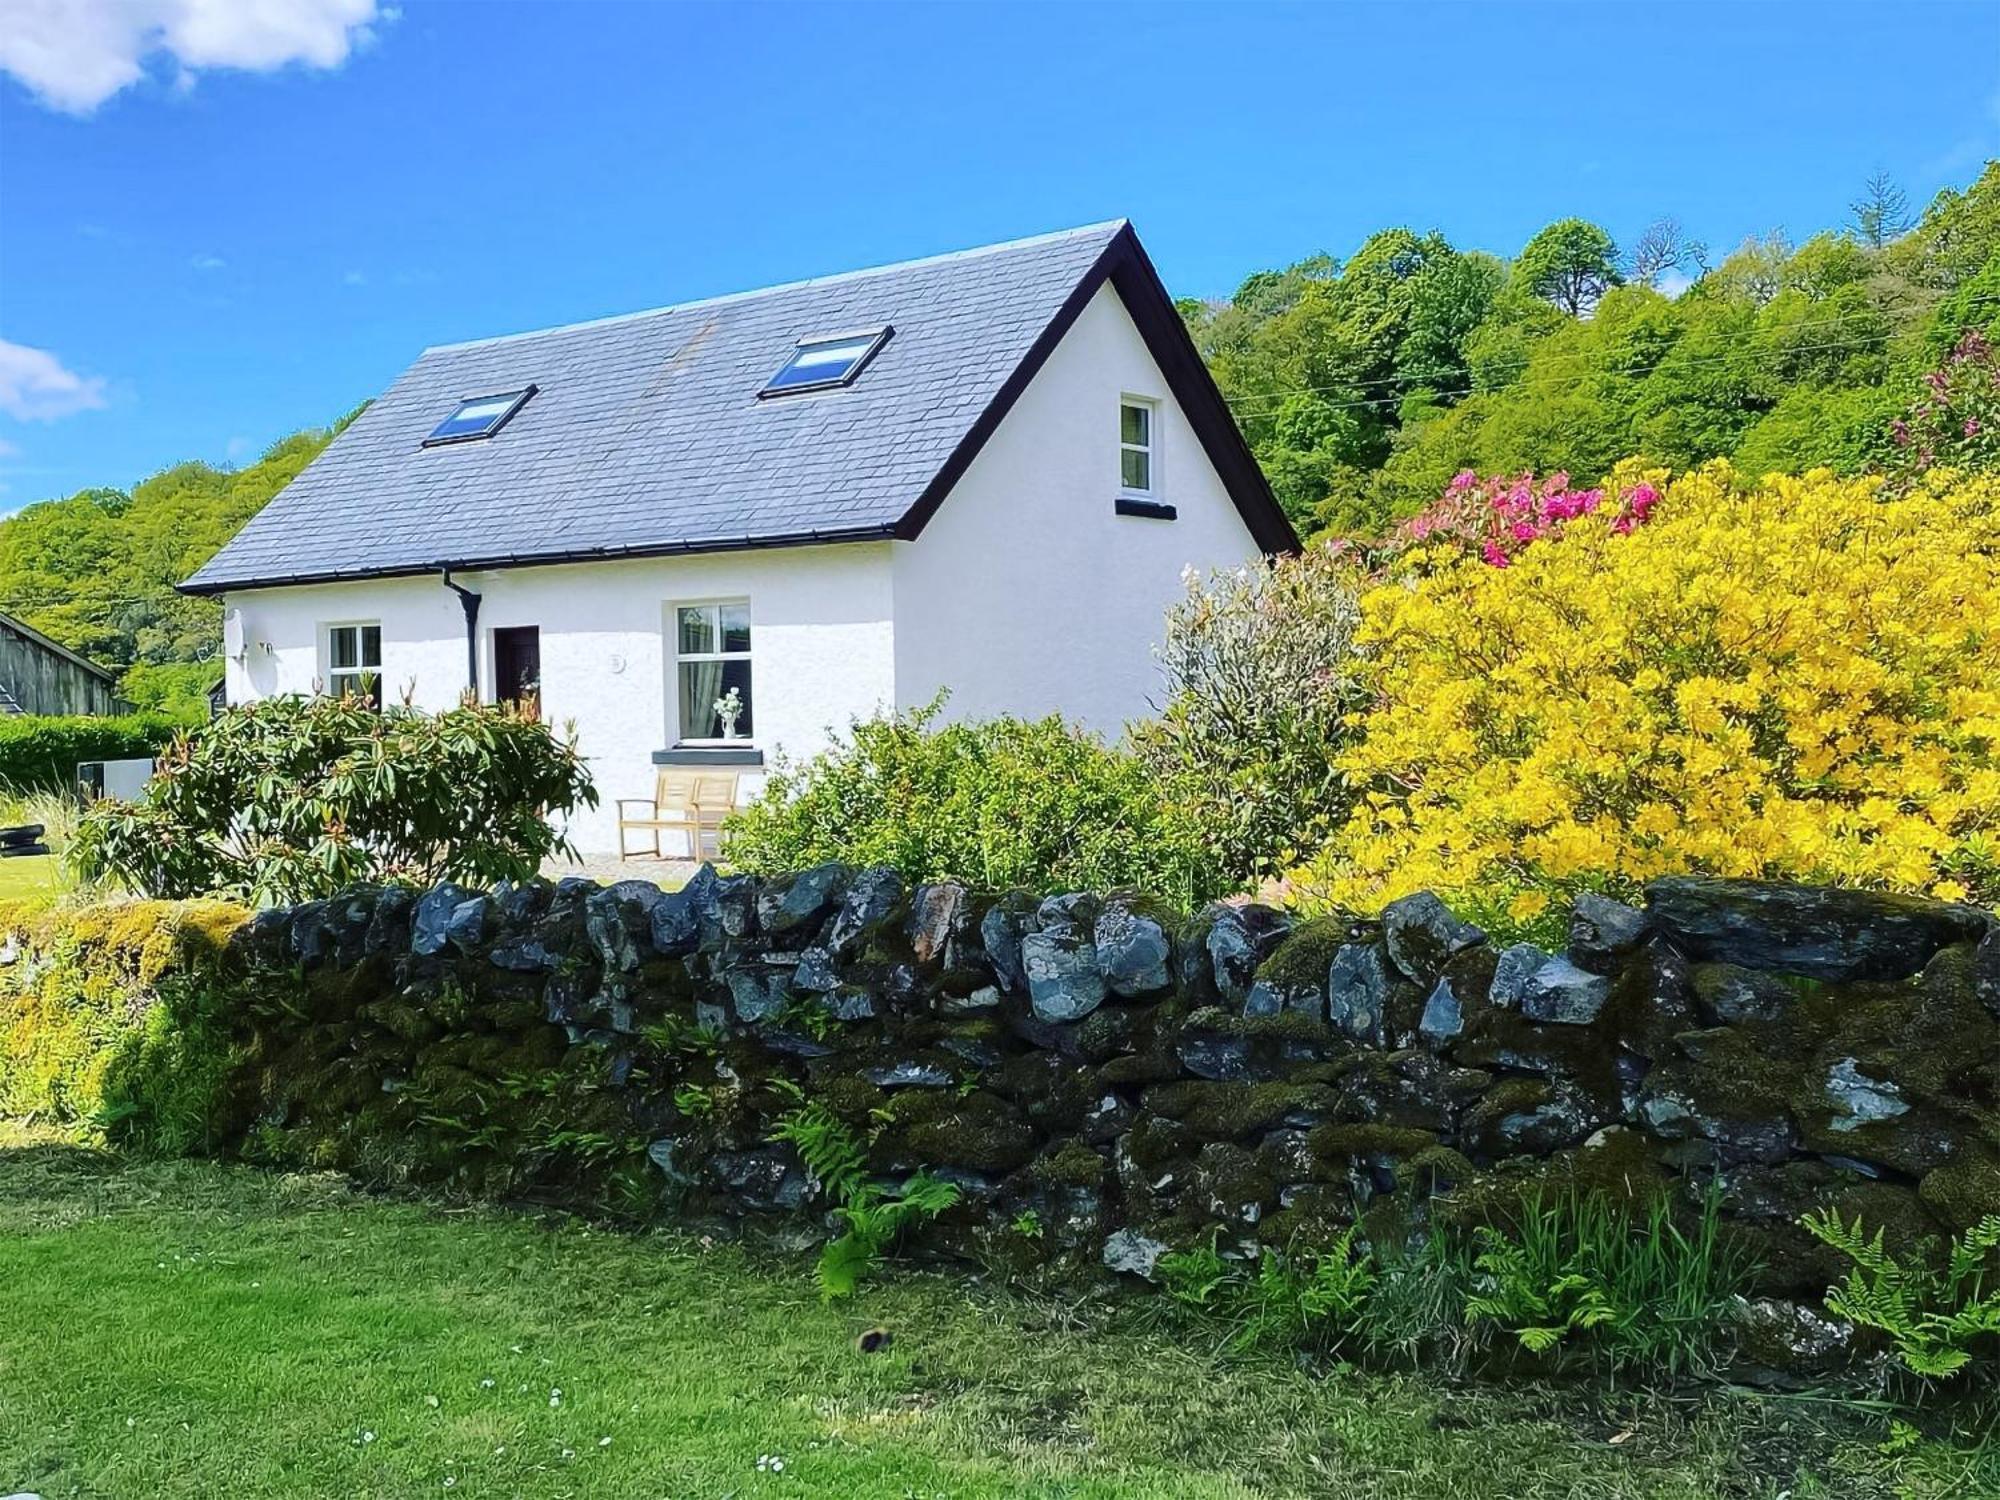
<point x="875" y="1219"/>
<point x="1290" y="1301"/>
<point x="1934" y="1318"/>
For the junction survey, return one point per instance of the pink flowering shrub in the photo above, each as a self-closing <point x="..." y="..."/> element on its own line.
<point x="1955" y="421"/>
<point x="1500" y="516"/>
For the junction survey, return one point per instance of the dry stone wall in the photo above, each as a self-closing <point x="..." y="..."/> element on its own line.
<point x="1102" y="1076"/>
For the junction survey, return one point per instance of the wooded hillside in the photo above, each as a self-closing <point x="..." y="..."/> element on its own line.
<point x="1363" y="385"/>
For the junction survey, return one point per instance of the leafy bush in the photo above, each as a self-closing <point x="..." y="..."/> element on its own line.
<point x="997" y="803"/>
<point x="875" y="1218"/>
<point x="119" y="1017"/>
<point x="1288" y="1302"/>
<point x="1582" y="1270"/>
<point x="1938" y="1320"/>
<point x="292" y="799"/>
<point x="40" y="753"/>
<point x="1956" y="419"/>
<point x="1261" y="677"/>
<point x="1791" y="678"/>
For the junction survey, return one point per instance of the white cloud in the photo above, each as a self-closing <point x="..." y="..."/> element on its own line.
<point x="9" y="450"/>
<point x="75" y="54"/>
<point x="36" y="387"/>
<point x="1673" y="283"/>
<point x="208" y="263"/>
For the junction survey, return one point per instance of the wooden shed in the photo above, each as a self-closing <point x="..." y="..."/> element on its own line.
<point x="37" y="676"/>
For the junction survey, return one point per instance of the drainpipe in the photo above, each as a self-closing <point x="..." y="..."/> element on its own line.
<point x="469" y="602"/>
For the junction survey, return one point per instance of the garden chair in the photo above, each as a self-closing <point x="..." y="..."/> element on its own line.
<point x="689" y="802"/>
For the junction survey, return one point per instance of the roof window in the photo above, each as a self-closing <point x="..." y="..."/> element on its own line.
<point x="479" y="417"/>
<point x="826" y="360"/>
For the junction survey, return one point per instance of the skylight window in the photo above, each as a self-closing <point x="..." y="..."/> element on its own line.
<point x="822" y="362"/>
<point x="480" y="417"/>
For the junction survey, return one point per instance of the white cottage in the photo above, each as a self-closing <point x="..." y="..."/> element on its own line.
<point x="983" y="472"/>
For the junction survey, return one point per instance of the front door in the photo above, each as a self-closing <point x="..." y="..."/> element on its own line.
<point x="517" y="664"/>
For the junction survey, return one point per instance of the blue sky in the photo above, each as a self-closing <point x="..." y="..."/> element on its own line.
<point x="217" y="228"/>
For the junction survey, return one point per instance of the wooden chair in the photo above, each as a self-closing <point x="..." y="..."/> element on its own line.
<point x="684" y="801"/>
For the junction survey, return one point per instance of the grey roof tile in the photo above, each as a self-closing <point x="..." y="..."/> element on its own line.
<point x="646" y="433"/>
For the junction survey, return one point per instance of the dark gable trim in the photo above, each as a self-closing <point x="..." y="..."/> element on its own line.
<point x="1125" y="265"/>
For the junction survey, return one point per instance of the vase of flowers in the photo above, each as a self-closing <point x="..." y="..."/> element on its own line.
<point x="729" y="708"/>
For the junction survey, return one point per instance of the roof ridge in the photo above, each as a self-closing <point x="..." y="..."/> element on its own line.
<point x="1104" y="226"/>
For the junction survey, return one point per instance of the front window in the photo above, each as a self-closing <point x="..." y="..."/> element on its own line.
<point x="1135" y="446"/>
<point x="712" y="666"/>
<point x="354" y="662"/>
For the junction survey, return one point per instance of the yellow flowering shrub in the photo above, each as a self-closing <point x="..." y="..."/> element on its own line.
<point x="1797" y="677"/>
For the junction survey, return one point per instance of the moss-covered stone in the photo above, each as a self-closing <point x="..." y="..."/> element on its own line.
<point x="1239" y="1111"/>
<point x="1964" y="1191"/>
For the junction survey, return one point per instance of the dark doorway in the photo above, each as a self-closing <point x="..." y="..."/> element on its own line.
<point x="517" y="664"/>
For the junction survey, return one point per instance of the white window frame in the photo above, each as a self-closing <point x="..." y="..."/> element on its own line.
<point x="1151" y="447"/>
<point x="674" y="621"/>
<point x="331" y="675"/>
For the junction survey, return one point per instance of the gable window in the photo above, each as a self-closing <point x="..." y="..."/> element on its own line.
<point x="479" y="417"/>
<point x="354" y="662"/>
<point x="826" y="360"/>
<point x="1136" y="466"/>
<point x="712" y="671"/>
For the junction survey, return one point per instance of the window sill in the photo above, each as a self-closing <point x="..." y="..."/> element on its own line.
<point x="1151" y="510"/>
<point x="709" y="755"/>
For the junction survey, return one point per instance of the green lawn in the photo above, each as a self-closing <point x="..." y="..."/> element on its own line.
<point x="26" y="877"/>
<point x="192" y="1330"/>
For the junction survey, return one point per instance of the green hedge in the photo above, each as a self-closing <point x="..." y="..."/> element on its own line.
<point x="41" y="753"/>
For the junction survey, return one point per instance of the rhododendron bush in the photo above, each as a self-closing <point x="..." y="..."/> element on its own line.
<point x="1498" y="517"/>
<point x="1793" y="677"/>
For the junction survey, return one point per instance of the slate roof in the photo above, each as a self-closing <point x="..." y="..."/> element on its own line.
<point x="646" y="436"/>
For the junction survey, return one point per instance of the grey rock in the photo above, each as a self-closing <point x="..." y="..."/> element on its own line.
<point x="609" y="928"/>
<point x="522" y="955"/>
<point x="1790" y="1338"/>
<point x="1673" y="1117"/>
<point x="1423" y="936"/>
<point x="850" y="1003"/>
<point x="734" y="908"/>
<point x="1357" y="987"/>
<point x="770" y="1180"/>
<point x="312" y="936"/>
<point x="1444" y="1017"/>
<point x="519" y="904"/>
<point x="1000" y="932"/>
<point x="675" y="925"/>
<point x="389" y="923"/>
<point x="870" y="897"/>
<point x="1603" y="931"/>
<point x="1860" y="1100"/>
<point x="758" y="993"/>
<point x="1561" y="993"/>
<point x="982" y="1001"/>
<point x="466" y="929"/>
<point x="266" y="937"/>
<point x="802" y="901"/>
<point x="1239" y="939"/>
<point x="1518" y="964"/>
<point x="816" y="972"/>
<point x="1212" y="1055"/>
<point x="1131" y="1253"/>
<point x="1269" y="997"/>
<point x="431" y="917"/>
<point x="643" y="894"/>
<point x="1986" y="972"/>
<point x="1734" y="995"/>
<point x="935" y="914"/>
<point x="661" y="1154"/>
<point x="1063" y="979"/>
<point x="1816" y="931"/>
<point x="910" y="1075"/>
<point x="1132" y="951"/>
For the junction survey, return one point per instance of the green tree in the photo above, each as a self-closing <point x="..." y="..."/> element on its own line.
<point x="1571" y="263"/>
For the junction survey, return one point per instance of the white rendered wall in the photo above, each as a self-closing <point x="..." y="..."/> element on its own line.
<point x="1027" y="594"/>
<point x="821" y="636"/>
